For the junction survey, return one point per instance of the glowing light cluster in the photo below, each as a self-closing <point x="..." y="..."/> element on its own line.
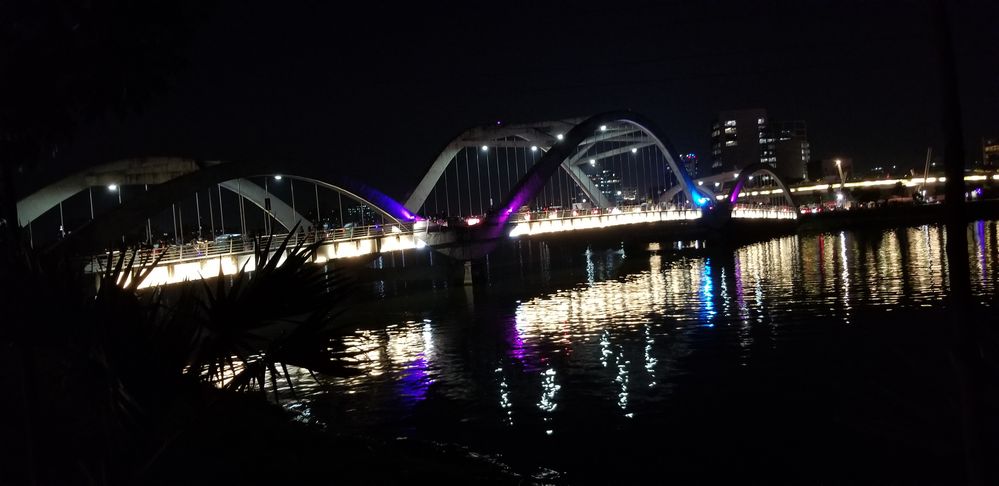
<point x="555" y="224"/>
<point x="768" y="213"/>
<point x="915" y="181"/>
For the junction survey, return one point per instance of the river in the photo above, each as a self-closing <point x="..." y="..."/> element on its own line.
<point x="804" y="358"/>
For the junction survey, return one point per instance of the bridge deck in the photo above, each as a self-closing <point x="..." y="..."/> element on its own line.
<point x="208" y="259"/>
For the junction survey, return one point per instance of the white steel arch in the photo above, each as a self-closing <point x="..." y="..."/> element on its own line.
<point x="144" y="171"/>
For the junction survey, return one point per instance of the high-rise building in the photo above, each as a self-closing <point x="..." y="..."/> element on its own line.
<point x="990" y="153"/>
<point x="608" y="183"/>
<point x="740" y="138"/>
<point x="792" y="149"/>
<point x="691" y="163"/>
<point x="743" y="137"/>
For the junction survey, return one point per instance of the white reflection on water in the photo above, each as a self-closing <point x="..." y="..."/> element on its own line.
<point x="548" y="390"/>
<point x="650" y="361"/>
<point x="587" y="335"/>
<point x="504" y="397"/>
<point x="549" y="394"/>
<point x="844" y="263"/>
<point x="622" y="379"/>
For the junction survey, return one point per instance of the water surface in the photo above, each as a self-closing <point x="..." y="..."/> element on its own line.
<point x="801" y="358"/>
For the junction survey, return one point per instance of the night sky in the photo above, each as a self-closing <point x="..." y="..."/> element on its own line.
<point x="376" y="93"/>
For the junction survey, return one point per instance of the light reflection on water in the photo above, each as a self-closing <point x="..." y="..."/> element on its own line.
<point x="613" y="345"/>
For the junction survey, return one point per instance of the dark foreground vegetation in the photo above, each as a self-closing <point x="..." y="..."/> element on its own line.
<point x="125" y="387"/>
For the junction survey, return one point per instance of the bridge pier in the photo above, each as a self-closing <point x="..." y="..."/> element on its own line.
<point x="469" y="273"/>
<point x="468" y="277"/>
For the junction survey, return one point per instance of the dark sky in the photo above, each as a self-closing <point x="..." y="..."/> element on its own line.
<point x="377" y="92"/>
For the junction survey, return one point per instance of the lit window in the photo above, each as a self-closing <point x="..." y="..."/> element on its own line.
<point x="760" y="121"/>
<point x="731" y="143"/>
<point x="729" y="123"/>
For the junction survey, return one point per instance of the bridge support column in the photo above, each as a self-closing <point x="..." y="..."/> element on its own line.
<point x="467" y="273"/>
<point x="468" y="277"/>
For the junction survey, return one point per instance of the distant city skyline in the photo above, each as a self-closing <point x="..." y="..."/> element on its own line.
<point x="377" y="95"/>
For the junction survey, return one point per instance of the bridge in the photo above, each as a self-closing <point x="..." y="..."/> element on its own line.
<point x="488" y="184"/>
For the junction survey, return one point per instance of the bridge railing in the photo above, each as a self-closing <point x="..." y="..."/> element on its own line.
<point x="764" y="212"/>
<point x="242" y="244"/>
<point x="581" y="213"/>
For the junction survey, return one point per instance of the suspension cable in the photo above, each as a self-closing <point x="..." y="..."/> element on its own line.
<point x="211" y="210"/>
<point x="221" y="212"/>
<point x="489" y="182"/>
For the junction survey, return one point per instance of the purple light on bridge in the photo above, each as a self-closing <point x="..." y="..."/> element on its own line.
<point x="735" y="192"/>
<point x="384" y="202"/>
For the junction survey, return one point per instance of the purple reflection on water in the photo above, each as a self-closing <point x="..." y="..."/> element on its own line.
<point x="515" y="341"/>
<point x="414" y="381"/>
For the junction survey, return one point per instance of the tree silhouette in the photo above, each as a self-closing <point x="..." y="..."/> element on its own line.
<point x="65" y="62"/>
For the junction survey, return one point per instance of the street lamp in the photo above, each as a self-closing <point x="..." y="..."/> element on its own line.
<point x="839" y="168"/>
<point x="114" y="188"/>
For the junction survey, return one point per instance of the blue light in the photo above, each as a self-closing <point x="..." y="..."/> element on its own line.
<point x="698" y="198"/>
<point x="707" y="294"/>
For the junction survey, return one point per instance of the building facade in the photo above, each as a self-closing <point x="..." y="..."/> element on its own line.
<point x="990" y="153"/>
<point x="740" y="138"/>
<point x="609" y="184"/>
<point x="792" y="149"/>
<point x="743" y="137"/>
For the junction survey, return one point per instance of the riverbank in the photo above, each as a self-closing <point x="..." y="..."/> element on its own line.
<point x="243" y="439"/>
<point x="892" y="216"/>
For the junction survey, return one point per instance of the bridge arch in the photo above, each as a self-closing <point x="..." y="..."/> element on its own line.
<point x="94" y="235"/>
<point x="539" y="135"/>
<point x="143" y="171"/>
<point x="534" y="180"/>
<point x="750" y="170"/>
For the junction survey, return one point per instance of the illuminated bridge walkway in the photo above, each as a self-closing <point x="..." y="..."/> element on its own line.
<point x="179" y="263"/>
